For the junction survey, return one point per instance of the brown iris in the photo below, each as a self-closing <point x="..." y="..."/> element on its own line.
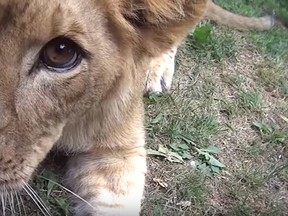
<point x="60" y="54"/>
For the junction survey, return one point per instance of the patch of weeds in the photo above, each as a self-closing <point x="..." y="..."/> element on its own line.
<point x="63" y="206"/>
<point x="157" y="212"/>
<point x="280" y="8"/>
<point x="188" y="141"/>
<point x="242" y="210"/>
<point x="197" y="129"/>
<point x="202" y="34"/>
<point x="270" y="143"/>
<point x="279" y="171"/>
<point x="235" y="81"/>
<point x="205" y="126"/>
<point x="250" y="100"/>
<point x="270" y="133"/>
<point x="229" y="108"/>
<point x="243" y="7"/>
<point x="167" y="154"/>
<point x="207" y="163"/>
<point x="274" y="79"/>
<point x="257" y="7"/>
<point x="274" y="43"/>
<point x="185" y="195"/>
<point x="254" y="180"/>
<point x="209" y="88"/>
<point x="191" y="188"/>
<point x="274" y="211"/>
<point x="182" y="149"/>
<point x="159" y="116"/>
<point x="153" y="205"/>
<point x="207" y="43"/>
<point x="152" y="98"/>
<point x="156" y="124"/>
<point x="53" y="197"/>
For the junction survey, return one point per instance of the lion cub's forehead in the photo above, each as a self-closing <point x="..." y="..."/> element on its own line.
<point x="43" y="19"/>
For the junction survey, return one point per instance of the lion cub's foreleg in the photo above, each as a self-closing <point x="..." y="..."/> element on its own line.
<point x="112" y="182"/>
<point x="161" y="71"/>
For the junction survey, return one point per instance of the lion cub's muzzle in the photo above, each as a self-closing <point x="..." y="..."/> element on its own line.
<point x="21" y="151"/>
<point x="15" y="168"/>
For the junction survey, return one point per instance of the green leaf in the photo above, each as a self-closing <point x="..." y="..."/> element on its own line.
<point x="211" y="149"/>
<point x="163" y="149"/>
<point x="214" y="162"/>
<point x="166" y="153"/>
<point x="158" y="119"/>
<point x="215" y="169"/>
<point x="205" y="169"/>
<point x="183" y="146"/>
<point x="179" y="146"/>
<point x="175" y="157"/>
<point x="155" y="153"/>
<point x="63" y="205"/>
<point x="279" y="136"/>
<point x="174" y="146"/>
<point x="263" y="127"/>
<point x="50" y="187"/>
<point x="202" y="34"/>
<point x="185" y="138"/>
<point x="187" y="155"/>
<point x="258" y="125"/>
<point x="152" y="98"/>
<point x="205" y="154"/>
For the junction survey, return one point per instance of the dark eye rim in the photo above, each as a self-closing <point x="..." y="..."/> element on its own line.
<point x="66" y="67"/>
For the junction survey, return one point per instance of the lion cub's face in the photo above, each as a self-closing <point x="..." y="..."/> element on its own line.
<point x="57" y="59"/>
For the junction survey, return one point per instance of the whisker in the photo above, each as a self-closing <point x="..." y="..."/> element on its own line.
<point x="22" y="203"/>
<point x="18" y="203"/>
<point x="11" y="203"/>
<point x="34" y="200"/>
<point x="3" y="204"/>
<point x="69" y="191"/>
<point x="39" y="199"/>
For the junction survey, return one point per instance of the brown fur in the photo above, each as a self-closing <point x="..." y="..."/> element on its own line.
<point x="95" y="111"/>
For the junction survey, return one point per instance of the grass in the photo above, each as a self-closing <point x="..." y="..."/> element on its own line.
<point x="217" y="142"/>
<point x="273" y="79"/>
<point x="273" y="43"/>
<point x="250" y="100"/>
<point x="213" y="46"/>
<point x="229" y="92"/>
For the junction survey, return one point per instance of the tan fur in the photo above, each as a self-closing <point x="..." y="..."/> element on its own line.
<point x="94" y="111"/>
<point x="224" y="17"/>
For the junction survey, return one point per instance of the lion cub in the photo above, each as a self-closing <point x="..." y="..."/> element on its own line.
<point x="73" y="74"/>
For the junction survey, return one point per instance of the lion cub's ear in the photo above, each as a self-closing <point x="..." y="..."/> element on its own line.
<point x="162" y="24"/>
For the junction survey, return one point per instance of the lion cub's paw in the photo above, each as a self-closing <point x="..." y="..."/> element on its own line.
<point x="160" y="74"/>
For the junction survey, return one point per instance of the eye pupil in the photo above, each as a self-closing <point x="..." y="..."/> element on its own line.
<point x="60" y="54"/>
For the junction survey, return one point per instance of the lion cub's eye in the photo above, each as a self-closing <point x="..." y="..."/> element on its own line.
<point x="60" y="55"/>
